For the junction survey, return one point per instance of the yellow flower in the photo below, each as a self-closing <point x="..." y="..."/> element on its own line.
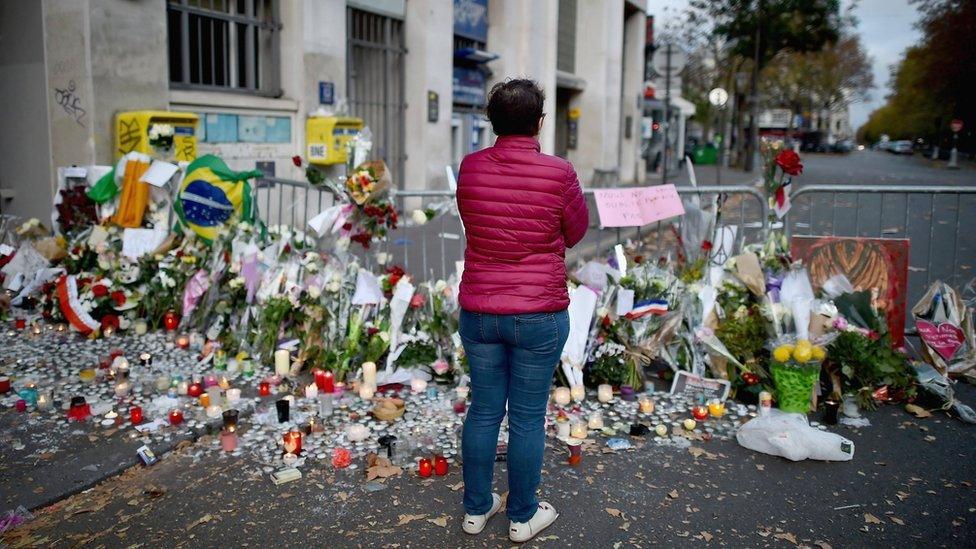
<point x="819" y="353"/>
<point x="783" y="353"/>
<point x="803" y="354"/>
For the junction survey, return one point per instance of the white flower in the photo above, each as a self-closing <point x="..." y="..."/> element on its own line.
<point x="440" y="286"/>
<point x="602" y="312"/>
<point x="342" y="243"/>
<point x="314" y="292"/>
<point x="237" y="282"/>
<point x="333" y="287"/>
<point x="382" y="258"/>
<point x="235" y="267"/>
<point x="419" y="217"/>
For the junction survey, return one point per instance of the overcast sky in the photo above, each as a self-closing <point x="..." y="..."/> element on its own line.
<point x="886" y="28"/>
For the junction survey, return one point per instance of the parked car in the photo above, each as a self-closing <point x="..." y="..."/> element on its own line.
<point x="903" y="146"/>
<point x="843" y="146"/>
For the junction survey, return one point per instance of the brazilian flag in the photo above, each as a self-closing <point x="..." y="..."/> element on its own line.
<point x="211" y="194"/>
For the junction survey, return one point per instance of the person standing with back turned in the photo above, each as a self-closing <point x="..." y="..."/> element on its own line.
<point x="521" y="209"/>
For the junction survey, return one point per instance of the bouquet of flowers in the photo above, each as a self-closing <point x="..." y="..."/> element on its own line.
<point x="161" y="136"/>
<point x="796" y="368"/>
<point x="780" y="165"/>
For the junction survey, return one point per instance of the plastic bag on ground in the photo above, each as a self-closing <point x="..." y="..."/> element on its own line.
<point x="789" y="435"/>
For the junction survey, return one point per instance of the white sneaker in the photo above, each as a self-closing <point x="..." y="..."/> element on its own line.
<point x="474" y="524"/>
<point x="524" y="531"/>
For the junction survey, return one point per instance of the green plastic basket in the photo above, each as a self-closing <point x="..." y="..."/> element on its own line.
<point x="794" y="386"/>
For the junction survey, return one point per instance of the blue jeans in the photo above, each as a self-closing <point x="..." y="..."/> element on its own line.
<point x="512" y="359"/>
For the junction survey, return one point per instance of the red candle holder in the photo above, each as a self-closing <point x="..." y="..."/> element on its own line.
<point x="228" y="441"/>
<point x="264" y="388"/>
<point x="440" y="465"/>
<point x="699" y="412"/>
<point x="293" y="442"/>
<point x="171" y="321"/>
<point x="425" y="468"/>
<point x="20" y="323"/>
<point x="575" y="454"/>
<point x="195" y="390"/>
<point x="175" y="417"/>
<point x="135" y="415"/>
<point x="21" y="405"/>
<point x="79" y="410"/>
<point x="183" y="342"/>
<point x="325" y="381"/>
<point x="460" y="406"/>
<point x="4" y="384"/>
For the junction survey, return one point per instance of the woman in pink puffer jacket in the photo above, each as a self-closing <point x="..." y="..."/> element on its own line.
<point x="521" y="209"/>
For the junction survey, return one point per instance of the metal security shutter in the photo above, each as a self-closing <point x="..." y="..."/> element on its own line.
<point x="566" y="37"/>
<point x="374" y="69"/>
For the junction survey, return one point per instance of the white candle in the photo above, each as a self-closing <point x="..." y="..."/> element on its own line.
<point x="232" y="365"/>
<point x="140" y="326"/>
<point x="122" y="388"/>
<point x="282" y="360"/>
<point x="646" y="405"/>
<point x="595" y="421"/>
<point x="578" y="429"/>
<point x="357" y="432"/>
<point x="366" y="392"/>
<point x="162" y="383"/>
<point x="578" y="392"/>
<point x="561" y="395"/>
<point x="418" y="385"/>
<point x="311" y="391"/>
<point x="182" y="387"/>
<point x="214" y="394"/>
<point x="214" y="411"/>
<point x="562" y="429"/>
<point x="43" y="401"/>
<point x="369" y="374"/>
<point x="604" y="393"/>
<point x="233" y="396"/>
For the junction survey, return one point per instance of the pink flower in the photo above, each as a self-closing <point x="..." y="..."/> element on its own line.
<point x="840" y="323"/>
<point x="441" y="366"/>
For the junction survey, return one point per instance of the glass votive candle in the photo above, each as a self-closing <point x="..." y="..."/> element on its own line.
<point x="604" y="393"/>
<point x="562" y="428"/>
<point x="194" y="390"/>
<point x="293" y="442"/>
<point x="215" y="393"/>
<point x="5" y="383"/>
<point x="595" y="421"/>
<point x="325" y="404"/>
<point x="209" y="381"/>
<point x="440" y="465"/>
<point x="228" y="441"/>
<point x="135" y="415"/>
<point x="716" y="408"/>
<point x="418" y="386"/>
<point x="175" y="416"/>
<point x="311" y="390"/>
<point x="224" y="383"/>
<point x="233" y="396"/>
<point x="205" y="400"/>
<point x="577" y="392"/>
<point x="183" y="341"/>
<point x="646" y="405"/>
<point x="561" y="396"/>
<point x="699" y="412"/>
<point x="140" y="326"/>
<point x="577" y="429"/>
<point x="357" y="432"/>
<point x="213" y="411"/>
<point x="627" y="393"/>
<point x="264" y="388"/>
<point x="230" y="419"/>
<point x="44" y="401"/>
<point x="425" y="468"/>
<point x="366" y="392"/>
<point x="123" y="388"/>
<point x="463" y="391"/>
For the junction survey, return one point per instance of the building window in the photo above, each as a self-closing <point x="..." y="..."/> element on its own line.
<point x="235" y="128"/>
<point x="224" y="45"/>
<point x="566" y="38"/>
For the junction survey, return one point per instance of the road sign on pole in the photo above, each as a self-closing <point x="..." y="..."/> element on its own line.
<point x="718" y="97"/>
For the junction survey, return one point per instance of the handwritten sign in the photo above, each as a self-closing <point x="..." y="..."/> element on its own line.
<point x="637" y="206"/>
<point x="687" y="383"/>
<point x="945" y="338"/>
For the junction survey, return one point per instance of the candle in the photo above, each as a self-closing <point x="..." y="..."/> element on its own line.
<point x="224" y="383"/>
<point x="577" y="429"/>
<point x="233" y="365"/>
<point x="205" y="400"/>
<point x="369" y="374"/>
<point x="699" y="412"/>
<point x="29" y="394"/>
<point x="562" y="428"/>
<point x="440" y="465"/>
<point x="140" y="326"/>
<point x="213" y="411"/>
<point x="233" y="396"/>
<point x="282" y="406"/>
<point x="264" y="388"/>
<point x="578" y="392"/>
<point x="425" y="467"/>
<point x="716" y="408"/>
<point x="575" y="453"/>
<point x="282" y="362"/>
<point x="366" y="392"/>
<point x="21" y="405"/>
<point x="20" y="323"/>
<point x="418" y="386"/>
<point x="194" y="390"/>
<point x="595" y="421"/>
<point x="604" y="393"/>
<point x="646" y="405"/>
<point x="120" y="366"/>
<point x="247" y="367"/>
<point x="145" y="360"/>
<point x="183" y="342"/>
<point x="108" y="331"/>
<point x="5" y="384"/>
<point x="182" y="388"/>
<point x="460" y="406"/>
<point x="215" y="395"/>
<point x="228" y="441"/>
<point x="175" y="416"/>
<point x="86" y="375"/>
<point x="209" y="381"/>
<point x="661" y="430"/>
<point x="561" y="395"/>
<point x="170" y="320"/>
<point x="293" y="442"/>
<point x="122" y="388"/>
<point x="135" y="415"/>
<point x="627" y="393"/>
<point x="220" y="359"/>
<point x="230" y="420"/>
<point x="689" y="424"/>
<point x="339" y="388"/>
<point x="357" y="432"/>
<point x="325" y="404"/>
<point x="311" y="390"/>
<point x="325" y="381"/>
<point x="463" y="391"/>
<point x="44" y="401"/>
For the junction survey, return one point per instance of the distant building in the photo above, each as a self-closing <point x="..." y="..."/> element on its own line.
<point x="254" y="70"/>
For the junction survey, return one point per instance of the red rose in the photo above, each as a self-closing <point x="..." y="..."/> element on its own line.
<point x="606" y="321"/>
<point x="347" y="226"/>
<point x="297" y="161"/>
<point x="417" y="301"/>
<point x="706" y="245"/>
<point x="99" y="290"/>
<point x="118" y="297"/>
<point x="789" y="161"/>
<point x="371" y="331"/>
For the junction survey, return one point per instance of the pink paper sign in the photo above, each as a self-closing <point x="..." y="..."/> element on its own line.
<point x="945" y="338"/>
<point x="637" y="206"/>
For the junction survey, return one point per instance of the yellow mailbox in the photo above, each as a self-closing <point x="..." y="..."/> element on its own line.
<point x="165" y="135"/>
<point x="326" y="138"/>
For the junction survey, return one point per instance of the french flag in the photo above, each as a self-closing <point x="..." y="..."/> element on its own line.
<point x="649" y="307"/>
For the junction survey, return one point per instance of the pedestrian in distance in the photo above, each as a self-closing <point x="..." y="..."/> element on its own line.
<point x="521" y="209"/>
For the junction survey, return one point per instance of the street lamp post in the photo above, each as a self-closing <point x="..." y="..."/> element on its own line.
<point x="956" y="127"/>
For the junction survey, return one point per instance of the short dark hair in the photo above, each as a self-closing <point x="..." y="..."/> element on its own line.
<point x="515" y="107"/>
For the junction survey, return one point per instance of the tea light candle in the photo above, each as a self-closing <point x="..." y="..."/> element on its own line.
<point x="183" y="341"/>
<point x="357" y="432"/>
<point x="369" y="374"/>
<point x="578" y="393"/>
<point x="646" y="405"/>
<point x="264" y="388"/>
<point x="282" y="362"/>
<point x="366" y="392"/>
<point x="213" y="411"/>
<point x="145" y="360"/>
<point x="562" y="428"/>
<point x="224" y="383"/>
<point x="228" y="441"/>
<point x="661" y="430"/>
<point x="561" y="396"/>
<point x="44" y="401"/>
<point x="689" y="424"/>
<point x="140" y="326"/>
<point x="233" y="396"/>
<point x="595" y="421"/>
<point x="716" y="408"/>
<point x="209" y="381"/>
<point x="699" y="412"/>
<point x="604" y="393"/>
<point x="122" y="388"/>
<point x="175" y="416"/>
<point x="440" y="465"/>
<point x="418" y="386"/>
<point x="577" y="429"/>
<point x="425" y="468"/>
<point x="311" y="391"/>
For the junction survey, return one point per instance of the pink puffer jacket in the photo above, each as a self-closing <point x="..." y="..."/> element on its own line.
<point x="521" y="209"/>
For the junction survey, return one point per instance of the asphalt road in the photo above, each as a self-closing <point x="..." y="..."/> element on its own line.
<point x="910" y="484"/>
